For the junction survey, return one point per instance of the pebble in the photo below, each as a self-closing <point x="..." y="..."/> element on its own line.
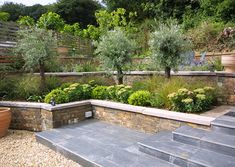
<point x="20" y="149"/>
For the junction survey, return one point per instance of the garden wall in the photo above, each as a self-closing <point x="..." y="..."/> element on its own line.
<point x="41" y="116"/>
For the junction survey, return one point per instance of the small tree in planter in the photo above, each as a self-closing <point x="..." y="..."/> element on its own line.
<point x="37" y="47"/>
<point x="114" y="51"/>
<point x="168" y="46"/>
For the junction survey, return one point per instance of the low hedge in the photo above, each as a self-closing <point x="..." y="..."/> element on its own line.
<point x="183" y="100"/>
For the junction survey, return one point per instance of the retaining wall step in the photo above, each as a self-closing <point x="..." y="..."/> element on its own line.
<point x="224" y="124"/>
<point x="162" y="146"/>
<point x="209" y="140"/>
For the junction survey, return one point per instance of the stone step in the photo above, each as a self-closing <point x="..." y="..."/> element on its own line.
<point x="209" y="140"/>
<point x="224" y="124"/>
<point x="98" y="144"/>
<point x="162" y="146"/>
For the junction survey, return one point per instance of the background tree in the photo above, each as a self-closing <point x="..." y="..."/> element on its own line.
<point x="35" y="11"/>
<point x="26" y="21"/>
<point x="108" y="21"/>
<point x="51" y="21"/>
<point x="81" y="11"/>
<point x="15" y="10"/>
<point x="114" y="51"/>
<point x="38" y="51"/>
<point x="168" y="46"/>
<point x="4" y="16"/>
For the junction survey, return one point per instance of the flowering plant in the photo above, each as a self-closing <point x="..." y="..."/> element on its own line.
<point x="197" y="100"/>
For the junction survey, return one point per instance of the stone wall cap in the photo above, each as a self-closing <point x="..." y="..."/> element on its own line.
<point x="66" y="105"/>
<point x="178" y="73"/>
<point x="23" y="104"/>
<point x="118" y="106"/>
<point x="184" y="117"/>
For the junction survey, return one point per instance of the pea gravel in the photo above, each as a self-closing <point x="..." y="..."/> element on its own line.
<point x="20" y="149"/>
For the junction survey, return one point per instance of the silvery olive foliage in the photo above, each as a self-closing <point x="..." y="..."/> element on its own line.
<point x="36" y="46"/>
<point x="114" y="50"/>
<point x="168" y="46"/>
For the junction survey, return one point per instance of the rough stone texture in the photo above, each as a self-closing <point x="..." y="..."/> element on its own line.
<point x="26" y="118"/>
<point x="35" y="119"/>
<point x="144" y="123"/>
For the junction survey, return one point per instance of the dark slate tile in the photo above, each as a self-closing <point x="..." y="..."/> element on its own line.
<point x="219" y="142"/>
<point x="212" y="159"/>
<point x="223" y="123"/>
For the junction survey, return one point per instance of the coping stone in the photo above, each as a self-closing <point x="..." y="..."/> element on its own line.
<point x="184" y="117"/>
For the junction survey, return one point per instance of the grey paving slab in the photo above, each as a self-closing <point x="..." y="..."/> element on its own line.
<point x="212" y="159"/>
<point x="186" y="155"/>
<point x="96" y="143"/>
<point x="210" y="140"/>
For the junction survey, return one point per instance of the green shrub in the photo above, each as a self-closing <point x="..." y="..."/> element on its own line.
<point x="7" y="88"/>
<point x="86" y="91"/>
<point x="58" y="95"/>
<point x="100" y="92"/>
<point x="195" y="101"/>
<point x="156" y="101"/>
<point x="163" y="87"/>
<point x="74" y="92"/>
<point x="140" y="98"/>
<point x="28" y="86"/>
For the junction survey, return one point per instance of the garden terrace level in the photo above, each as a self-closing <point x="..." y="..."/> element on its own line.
<point x="41" y="116"/>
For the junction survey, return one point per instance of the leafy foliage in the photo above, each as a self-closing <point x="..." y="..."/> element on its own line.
<point x="168" y="46"/>
<point x="58" y="95"/>
<point x="15" y="10"/>
<point x="51" y="21"/>
<point x="100" y="92"/>
<point x="194" y="101"/>
<point x="114" y="51"/>
<point x="81" y="11"/>
<point x="4" y="16"/>
<point x="26" y="21"/>
<point x="39" y="50"/>
<point x="140" y="98"/>
<point x="119" y="93"/>
<point x="109" y="21"/>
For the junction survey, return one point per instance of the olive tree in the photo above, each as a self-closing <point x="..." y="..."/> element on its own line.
<point x="114" y="50"/>
<point x="168" y="46"/>
<point x="37" y="47"/>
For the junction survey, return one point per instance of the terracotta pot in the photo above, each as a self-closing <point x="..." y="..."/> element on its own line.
<point x="228" y="62"/>
<point x="5" y="120"/>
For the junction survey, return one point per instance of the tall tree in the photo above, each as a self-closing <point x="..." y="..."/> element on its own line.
<point x="148" y="9"/>
<point x="14" y="9"/>
<point x="82" y="11"/>
<point x="35" y="11"/>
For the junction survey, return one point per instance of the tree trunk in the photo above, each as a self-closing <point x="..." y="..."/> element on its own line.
<point x="119" y="75"/>
<point x="167" y="72"/>
<point x="42" y="76"/>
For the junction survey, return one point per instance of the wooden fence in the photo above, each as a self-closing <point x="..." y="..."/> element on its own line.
<point x="75" y="46"/>
<point x="7" y="42"/>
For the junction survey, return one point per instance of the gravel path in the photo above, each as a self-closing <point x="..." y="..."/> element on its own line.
<point x="20" y="149"/>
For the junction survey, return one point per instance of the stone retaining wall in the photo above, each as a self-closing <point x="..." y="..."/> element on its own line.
<point x="41" y="116"/>
<point x="145" y="119"/>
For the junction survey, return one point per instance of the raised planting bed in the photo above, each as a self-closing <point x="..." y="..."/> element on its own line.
<point x="42" y="116"/>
